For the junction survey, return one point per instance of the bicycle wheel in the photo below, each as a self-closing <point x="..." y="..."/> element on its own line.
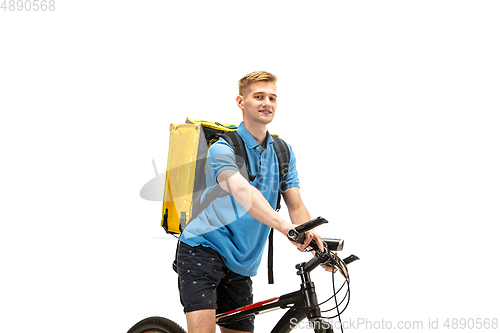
<point x="156" y="325"/>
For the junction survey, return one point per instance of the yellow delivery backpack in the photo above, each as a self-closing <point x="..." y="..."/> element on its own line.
<point x="185" y="177"/>
<point x="186" y="171"/>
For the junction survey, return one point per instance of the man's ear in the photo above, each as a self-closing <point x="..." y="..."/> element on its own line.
<point x="239" y="101"/>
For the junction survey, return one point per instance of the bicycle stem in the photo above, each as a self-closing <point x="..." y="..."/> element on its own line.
<point x="307" y="287"/>
<point x="318" y="259"/>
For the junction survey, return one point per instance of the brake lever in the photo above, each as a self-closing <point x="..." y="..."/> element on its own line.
<point x="337" y="265"/>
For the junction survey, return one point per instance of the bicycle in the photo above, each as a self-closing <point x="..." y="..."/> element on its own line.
<point x="301" y="304"/>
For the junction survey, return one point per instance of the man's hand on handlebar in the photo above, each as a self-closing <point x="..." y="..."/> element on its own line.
<point x="303" y="236"/>
<point x="309" y="235"/>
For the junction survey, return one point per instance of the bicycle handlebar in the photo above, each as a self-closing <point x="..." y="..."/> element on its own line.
<point x="297" y="234"/>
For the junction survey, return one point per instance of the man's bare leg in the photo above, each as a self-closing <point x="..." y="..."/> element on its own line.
<point x="201" y="321"/>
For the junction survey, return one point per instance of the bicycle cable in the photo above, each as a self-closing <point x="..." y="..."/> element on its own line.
<point x="348" y="293"/>
<point x="336" y="304"/>
<point x="341" y="266"/>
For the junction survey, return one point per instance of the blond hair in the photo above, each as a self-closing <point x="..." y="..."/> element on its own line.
<point x="256" y="76"/>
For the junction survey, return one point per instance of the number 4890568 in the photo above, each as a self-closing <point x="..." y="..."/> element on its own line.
<point x="28" y="5"/>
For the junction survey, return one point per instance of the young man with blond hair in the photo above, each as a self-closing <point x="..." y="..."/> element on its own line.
<point x="222" y="247"/>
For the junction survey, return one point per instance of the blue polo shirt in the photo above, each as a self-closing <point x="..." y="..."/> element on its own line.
<point x="224" y="225"/>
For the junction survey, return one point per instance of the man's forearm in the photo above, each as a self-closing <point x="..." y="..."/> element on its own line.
<point x="296" y="208"/>
<point x="299" y="215"/>
<point x="252" y="200"/>
<point x="259" y="208"/>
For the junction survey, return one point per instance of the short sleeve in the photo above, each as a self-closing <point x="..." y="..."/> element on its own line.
<point x="220" y="157"/>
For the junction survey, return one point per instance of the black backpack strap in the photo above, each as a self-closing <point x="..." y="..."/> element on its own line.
<point x="270" y="258"/>
<point x="238" y="146"/>
<point x="283" y="154"/>
<point x="215" y="192"/>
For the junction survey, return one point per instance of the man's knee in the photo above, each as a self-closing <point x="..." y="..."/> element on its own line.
<point x="201" y="321"/>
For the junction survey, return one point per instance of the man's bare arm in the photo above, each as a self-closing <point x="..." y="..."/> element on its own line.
<point x="299" y="214"/>
<point x="257" y="206"/>
<point x="252" y="200"/>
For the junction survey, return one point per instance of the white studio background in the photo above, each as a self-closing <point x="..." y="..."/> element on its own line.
<point x="391" y="108"/>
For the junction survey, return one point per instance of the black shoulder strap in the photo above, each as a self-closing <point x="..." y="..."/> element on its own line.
<point x="238" y="146"/>
<point x="235" y="141"/>
<point x="283" y="154"/>
<point x="280" y="148"/>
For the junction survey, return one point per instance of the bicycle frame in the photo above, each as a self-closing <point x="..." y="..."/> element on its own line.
<point x="301" y="304"/>
<point x="304" y="304"/>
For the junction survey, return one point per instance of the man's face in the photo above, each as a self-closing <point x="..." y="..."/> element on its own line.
<point x="259" y="103"/>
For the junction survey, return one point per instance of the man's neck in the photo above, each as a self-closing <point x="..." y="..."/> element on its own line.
<point x="258" y="131"/>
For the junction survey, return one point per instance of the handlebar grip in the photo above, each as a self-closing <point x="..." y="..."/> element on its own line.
<point x="299" y="239"/>
<point x="297" y="234"/>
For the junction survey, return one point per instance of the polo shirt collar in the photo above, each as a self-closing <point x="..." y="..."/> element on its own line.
<point x="249" y="140"/>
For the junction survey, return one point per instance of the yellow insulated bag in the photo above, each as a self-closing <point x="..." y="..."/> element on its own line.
<point x="185" y="177"/>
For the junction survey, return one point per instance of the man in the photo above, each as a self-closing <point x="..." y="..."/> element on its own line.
<point x="222" y="247"/>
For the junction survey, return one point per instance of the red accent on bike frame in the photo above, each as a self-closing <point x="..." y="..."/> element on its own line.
<point x="247" y="307"/>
